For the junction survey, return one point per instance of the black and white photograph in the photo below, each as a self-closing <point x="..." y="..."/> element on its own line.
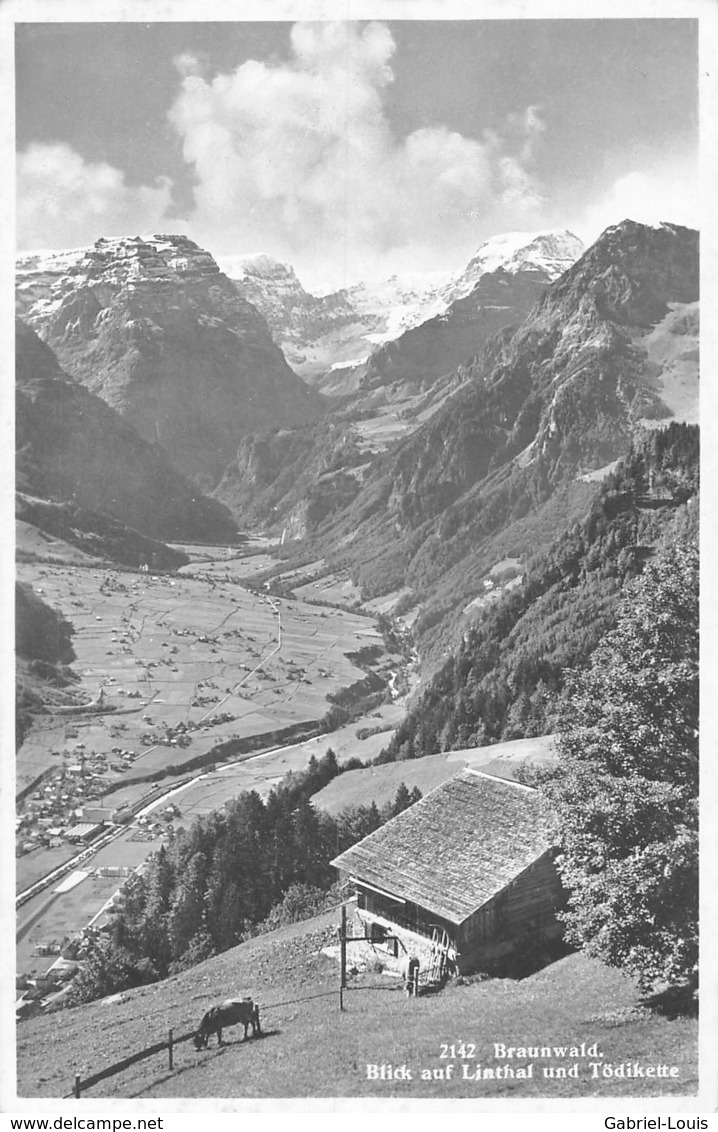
<point x="356" y="580"/>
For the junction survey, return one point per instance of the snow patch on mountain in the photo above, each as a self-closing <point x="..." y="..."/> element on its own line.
<point x="45" y="278"/>
<point x="552" y="251"/>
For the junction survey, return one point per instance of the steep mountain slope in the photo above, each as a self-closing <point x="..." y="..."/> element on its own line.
<point x="314" y="331"/>
<point x="43" y="647"/>
<point x="319" y="333"/>
<point x="300" y="476"/>
<point x="567" y="389"/>
<point x="323" y="334"/>
<point x="437" y="346"/>
<point x="504" y="679"/>
<point x="73" y="449"/>
<point x="564" y="392"/>
<point x="154" y="328"/>
<point x="309" y="1048"/>
<point x="41" y="633"/>
<point x="313" y="473"/>
<point x="541" y="407"/>
<point x="541" y="404"/>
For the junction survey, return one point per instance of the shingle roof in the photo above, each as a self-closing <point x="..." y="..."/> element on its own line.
<point x="457" y="847"/>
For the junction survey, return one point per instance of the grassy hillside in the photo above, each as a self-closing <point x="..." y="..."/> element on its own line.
<point x="309" y="1048"/>
<point x="379" y="784"/>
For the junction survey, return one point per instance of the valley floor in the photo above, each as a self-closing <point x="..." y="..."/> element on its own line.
<point x="191" y="669"/>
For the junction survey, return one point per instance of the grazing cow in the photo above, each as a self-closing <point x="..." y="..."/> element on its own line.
<point x="231" y="1012"/>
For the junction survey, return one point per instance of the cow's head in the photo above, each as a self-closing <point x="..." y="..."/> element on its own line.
<point x="200" y="1040"/>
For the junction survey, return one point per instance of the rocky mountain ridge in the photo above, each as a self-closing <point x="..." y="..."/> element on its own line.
<point x="567" y="388"/>
<point x="74" y="450"/>
<point x="309" y="475"/>
<point x="569" y="383"/>
<point x="341" y="329"/>
<point x="507" y="458"/>
<point x="310" y="329"/>
<point x="441" y="344"/>
<point x="153" y="327"/>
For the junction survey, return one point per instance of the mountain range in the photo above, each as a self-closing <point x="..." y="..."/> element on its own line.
<point x="543" y="404"/>
<point x="339" y="330"/>
<point x="485" y="421"/>
<point x="609" y="346"/>
<point x="154" y="328"/>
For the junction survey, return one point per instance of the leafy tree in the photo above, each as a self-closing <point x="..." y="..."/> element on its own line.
<point x="107" y="969"/>
<point x="299" y="902"/>
<point x="199" y="948"/>
<point x="626" y="792"/>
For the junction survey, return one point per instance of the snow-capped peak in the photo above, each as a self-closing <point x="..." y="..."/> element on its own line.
<point x="552" y="251"/>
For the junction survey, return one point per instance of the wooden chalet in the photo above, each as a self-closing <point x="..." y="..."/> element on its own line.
<point x="467" y="872"/>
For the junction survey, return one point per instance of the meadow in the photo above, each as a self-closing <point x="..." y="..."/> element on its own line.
<point x="309" y="1049"/>
<point x="184" y="664"/>
<point x="379" y="784"/>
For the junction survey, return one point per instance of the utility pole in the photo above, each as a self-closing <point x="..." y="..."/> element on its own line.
<point x="343" y="956"/>
<point x="344" y="939"/>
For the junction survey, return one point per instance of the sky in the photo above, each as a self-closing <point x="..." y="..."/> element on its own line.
<point x="353" y="150"/>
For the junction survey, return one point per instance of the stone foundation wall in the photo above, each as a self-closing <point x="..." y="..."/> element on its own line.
<point x="408" y="944"/>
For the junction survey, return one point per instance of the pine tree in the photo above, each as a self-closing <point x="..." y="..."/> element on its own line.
<point x="186" y="916"/>
<point x="402" y="799"/>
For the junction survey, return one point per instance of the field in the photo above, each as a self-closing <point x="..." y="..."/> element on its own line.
<point x="187" y="662"/>
<point x="671" y="349"/>
<point x="308" y="1048"/>
<point x="212" y="790"/>
<point x="195" y="655"/>
<point x="336" y="589"/>
<point x="380" y="783"/>
<point x="35" y="865"/>
<point x="60" y="912"/>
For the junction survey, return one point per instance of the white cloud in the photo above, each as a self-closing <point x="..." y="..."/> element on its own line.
<point x="299" y="159"/>
<point x="668" y="192"/>
<point x="65" y="201"/>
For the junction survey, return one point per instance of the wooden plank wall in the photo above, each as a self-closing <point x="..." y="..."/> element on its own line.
<point x="529" y="902"/>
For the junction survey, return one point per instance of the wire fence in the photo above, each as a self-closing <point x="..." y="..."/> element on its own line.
<point x="81" y="1085"/>
<point x="168" y="1044"/>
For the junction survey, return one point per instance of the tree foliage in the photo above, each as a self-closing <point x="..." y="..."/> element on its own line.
<point x="626" y="791"/>
<point x="253" y="866"/>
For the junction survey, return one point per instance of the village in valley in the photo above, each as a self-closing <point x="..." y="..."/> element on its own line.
<point x="177" y="703"/>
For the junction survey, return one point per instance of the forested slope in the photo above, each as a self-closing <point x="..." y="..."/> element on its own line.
<point x="503" y="681"/>
<point x="248" y="868"/>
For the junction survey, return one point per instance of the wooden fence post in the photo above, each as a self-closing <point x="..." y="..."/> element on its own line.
<point x="77" y="1085"/>
<point x="169" y="1047"/>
